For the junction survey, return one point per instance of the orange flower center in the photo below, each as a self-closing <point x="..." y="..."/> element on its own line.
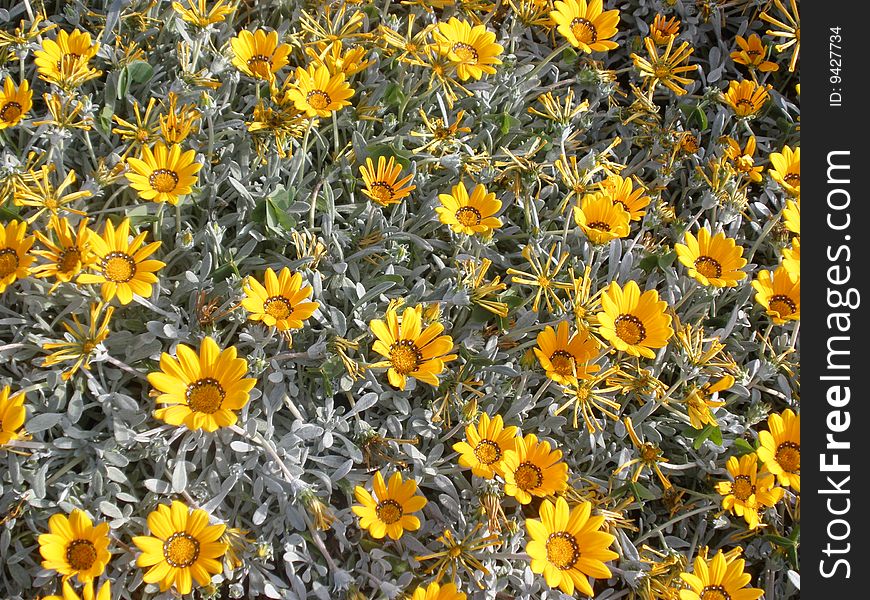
<point x="70" y="260"/>
<point x="562" y="550"/>
<point x="487" y="452"/>
<point x="81" y="554"/>
<point x="466" y="52"/>
<point x="405" y="356"/>
<point x="708" y="267"/>
<point x="742" y="488"/>
<point x="714" y="592"/>
<point x="528" y="476"/>
<point x="599" y="225"/>
<point x="382" y="191"/>
<point x="389" y="511"/>
<point x="468" y="216"/>
<point x="260" y="65"/>
<point x="318" y="99"/>
<point x="563" y="362"/>
<point x="118" y="267"/>
<point x="205" y="396"/>
<point x="788" y="455"/>
<point x="584" y="30"/>
<point x="10" y="112"/>
<point x="8" y="261"/>
<point x="278" y="307"/>
<point x="792" y="178"/>
<point x="163" y="180"/>
<point x="782" y="304"/>
<point x="630" y="329"/>
<point x="181" y="550"/>
<point x="745" y="106"/>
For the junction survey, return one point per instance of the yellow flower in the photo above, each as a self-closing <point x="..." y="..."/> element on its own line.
<point x="350" y="61"/>
<point x="662" y="29"/>
<point x="410" y="350"/>
<point x="122" y="265"/>
<point x="622" y="191"/>
<point x="780" y="448"/>
<point x="469" y="215"/>
<point x="15" y="102"/>
<point x="144" y="131"/>
<point x="786" y="170"/>
<point x="789" y="29"/>
<point x="780" y="294"/>
<point x="258" y="54"/>
<point x="633" y="322"/>
<point x="719" y="578"/>
<point x="486" y="445"/>
<point x="699" y="402"/>
<point x="584" y="24"/>
<point x="318" y="93"/>
<point x="66" y="257"/>
<point x="15" y="257"/>
<point x="665" y="68"/>
<point x="65" y="61"/>
<point x="791" y="214"/>
<point x="163" y="174"/>
<point x="472" y="49"/>
<point x="602" y="219"/>
<point x="435" y="591"/>
<point x="748" y="491"/>
<point x="281" y="303"/>
<point x="196" y="13"/>
<point x="69" y="593"/>
<point x="791" y="258"/>
<point x="533" y="469"/>
<point x="542" y="275"/>
<point x="44" y="196"/>
<point x="204" y="391"/>
<point x="566" y="357"/>
<point x="84" y="341"/>
<point x="753" y="54"/>
<point x="388" y="512"/>
<point x="12" y="415"/>
<point x="568" y="546"/>
<point x="715" y="260"/>
<point x="182" y="546"/>
<point x="179" y="121"/>
<point x="743" y="158"/>
<point x="746" y="97"/>
<point x="383" y="185"/>
<point x="74" y="546"/>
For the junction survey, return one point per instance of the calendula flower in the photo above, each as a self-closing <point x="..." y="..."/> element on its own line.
<point x="472" y="49"/>
<point x="752" y="53"/>
<point x="585" y="25"/>
<point x="780" y="295"/>
<point x="748" y="491"/>
<point x="564" y="355"/>
<point x="410" y="350"/>
<point x="746" y="98"/>
<point x="258" y="54"/>
<point x="718" y="578"/>
<point x="791" y="258"/>
<point x="67" y="255"/>
<point x="383" y="185"/>
<point x="436" y="591"/>
<point x="470" y="215"/>
<point x="15" y="102"/>
<point x="485" y="445"/>
<point x="182" y="548"/>
<point x="122" y="266"/>
<point x="75" y="547"/>
<point x="318" y="93"/>
<point x="700" y="401"/>
<point x="780" y="448"/>
<point x="568" y="546"/>
<point x="791" y="215"/>
<point x="786" y="170"/>
<point x="601" y="219"/>
<point x="15" y="258"/>
<point x="81" y="342"/>
<point x="202" y="391"/>
<point x="69" y="593"/>
<point x="532" y="468"/>
<point x="663" y="28"/>
<point x="198" y="13"/>
<point x="281" y="302"/>
<point x="389" y="511"/>
<point x="12" y="415"/>
<point x="666" y="68"/>
<point x="622" y="191"/>
<point x="65" y="61"/>
<point x="633" y="322"/>
<point x="43" y="195"/>
<point x="712" y="260"/>
<point x="744" y="158"/>
<point x="163" y="174"/>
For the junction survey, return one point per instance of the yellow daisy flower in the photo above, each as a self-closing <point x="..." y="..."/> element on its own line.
<point x="601" y="219"/>
<point x="383" y="185"/>
<point x="69" y="593"/>
<point x="122" y="265"/>
<point x="533" y="469"/>
<point x="436" y="591"/>
<point x="317" y="92"/>
<point x="258" y="54"/>
<point x="780" y="448"/>
<point x="42" y="194"/>
<point x="15" y="257"/>
<point x="748" y="491"/>
<point x="281" y="303"/>
<point x="410" y="350"/>
<point x="700" y="401"/>
<point x="75" y="546"/>
<point x="15" y="102"/>
<point x="163" y="174"/>
<point x="744" y="158"/>
<point x="197" y="13"/>
<point x="786" y="169"/>
<point x="753" y="54"/>
<point x="633" y="322"/>
<point x="565" y="356"/>
<point x="203" y="391"/>
<point x="182" y="547"/>
<point x="67" y="256"/>
<point x="622" y="191"/>
<point x="791" y="215"/>
<point x="667" y="68"/>
<point x="388" y="512"/>
<point x="719" y="578"/>
<point x="663" y="28"/>
<point x="568" y="546"/>
<point x="746" y="97"/>
<point x="81" y="341"/>
<point x="791" y="258"/>
<point x="12" y="415"/>
<point x="472" y="49"/>
<point x="64" y="61"/>
<point x="585" y="25"/>
<point x="715" y="260"/>
<point x="469" y="215"/>
<point x="780" y="294"/>
<point x="485" y="446"/>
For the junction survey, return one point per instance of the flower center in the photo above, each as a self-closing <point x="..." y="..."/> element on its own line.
<point x="600" y="225"/>
<point x="10" y="111"/>
<point x="260" y="65"/>
<point x="788" y="455"/>
<point x="163" y="180"/>
<point x="118" y="267"/>
<point x="205" y="396"/>
<point x="649" y="453"/>
<point x="318" y="99"/>
<point x="562" y="550"/>
<point x="70" y="260"/>
<point x="8" y="261"/>
<point x="528" y="476"/>
<point x="181" y="550"/>
<point x="630" y="329"/>
<point x="389" y="511"/>
<point x="662" y="70"/>
<point x="783" y="305"/>
<point x="745" y="106"/>
<point x="81" y="554"/>
<point x="468" y="216"/>
<point x="714" y="592"/>
<point x="465" y="52"/>
<point x="278" y="307"/>
<point x="742" y="488"/>
<point x="405" y="356"/>
<point x="382" y="191"/>
<point x="563" y="362"/>
<point x="487" y="452"/>
<point x="793" y="178"/>
<point x="584" y="30"/>
<point x="708" y="267"/>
